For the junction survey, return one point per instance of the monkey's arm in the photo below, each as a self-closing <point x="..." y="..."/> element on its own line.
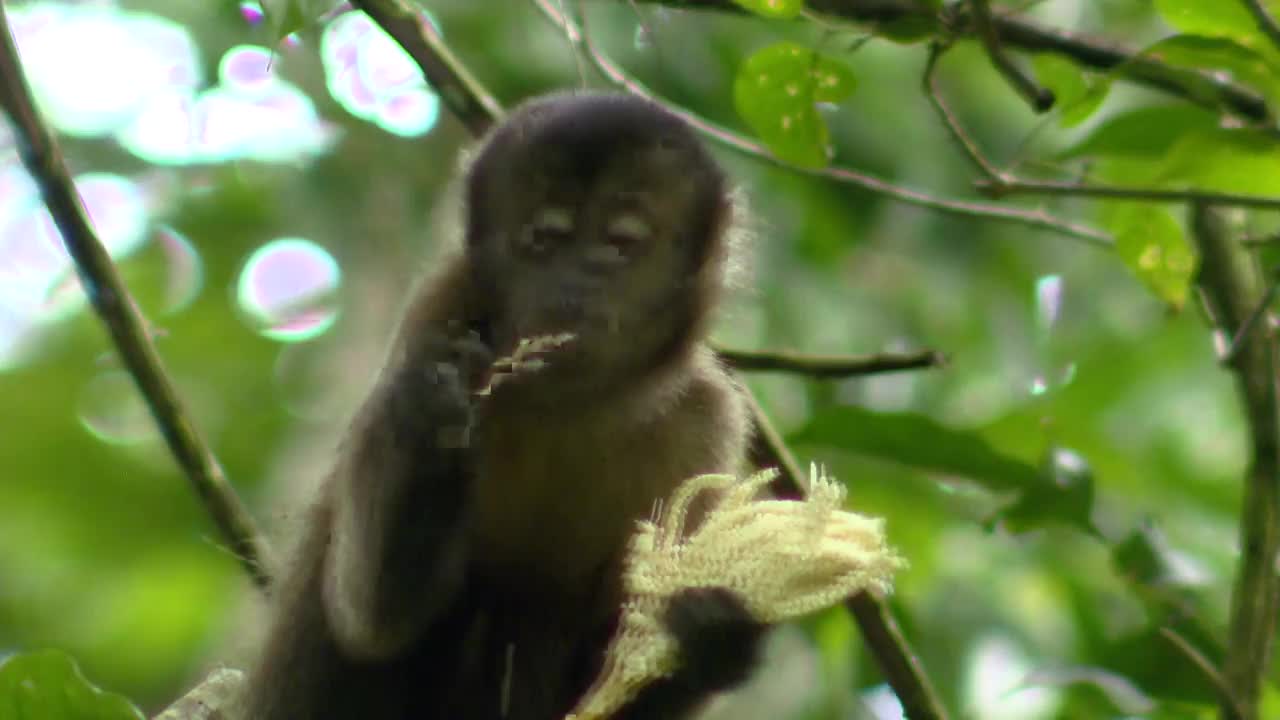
<point x="719" y="645"/>
<point x="400" y="502"/>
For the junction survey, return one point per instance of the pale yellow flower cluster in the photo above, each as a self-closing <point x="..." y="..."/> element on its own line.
<point x="784" y="559"/>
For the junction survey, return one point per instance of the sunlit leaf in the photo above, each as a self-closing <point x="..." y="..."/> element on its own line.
<point x="920" y="442"/>
<point x="776" y="91"/>
<point x="47" y="685"/>
<point x="1225" y="160"/>
<point x="1217" y="54"/>
<point x="1078" y="93"/>
<point x="1145" y="131"/>
<point x="1153" y="246"/>
<point x="772" y="8"/>
<point x="1207" y="17"/>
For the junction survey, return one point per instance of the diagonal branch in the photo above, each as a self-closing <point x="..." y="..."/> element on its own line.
<point x="106" y="291"/>
<point x="901" y="667"/>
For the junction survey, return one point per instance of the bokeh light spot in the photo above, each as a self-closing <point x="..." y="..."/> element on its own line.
<point x="113" y="411"/>
<point x="93" y="68"/>
<point x="371" y="76"/>
<point x="252" y="12"/>
<point x="246" y="68"/>
<point x="288" y="288"/>
<point x="411" y="113"/>
<point x="185" y="269"/>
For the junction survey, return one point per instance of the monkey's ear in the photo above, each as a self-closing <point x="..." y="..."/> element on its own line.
<point x="719" y="638"/>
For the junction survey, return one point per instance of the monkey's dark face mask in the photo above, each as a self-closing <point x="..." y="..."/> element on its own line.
<point x="604" y="224"/>
<point x="605" y="272"/>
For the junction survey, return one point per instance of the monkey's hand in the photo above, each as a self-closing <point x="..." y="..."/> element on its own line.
<point x="401" y="494"/>
<point x="719" y="644"/>
<point x="719" y="639"/>
<point x="432" y="399"/>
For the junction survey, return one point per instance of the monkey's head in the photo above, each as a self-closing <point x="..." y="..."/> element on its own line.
<point x="600" y="215"/>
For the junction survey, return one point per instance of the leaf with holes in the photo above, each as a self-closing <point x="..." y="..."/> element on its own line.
<point x="48" y="685"/>
<point x="772" y="8"/>
<point x="1151" y="244"/>
<point x="777" y="91"/>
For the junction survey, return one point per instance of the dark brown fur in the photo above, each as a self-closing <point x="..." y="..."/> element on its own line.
<point x="479" y="580"/>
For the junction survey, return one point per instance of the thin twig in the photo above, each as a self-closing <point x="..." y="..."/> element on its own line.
<point x="901" y="667"/>
<point x="1266" y="23"/>
<point x="820" y="366"/>
<point x="1233" y="288"/>
<point x="1029" y="37"/>
<point x="1011" y="186"/>
<point x="1037" y="219"/>
<point x="462" y="94"/>
<point x="1041" y="99"/>
<point x="1231" y="706"/>
<point x="106" y="291"/>
<point x="949" y="119"/>
<point x="1251" y="321"/>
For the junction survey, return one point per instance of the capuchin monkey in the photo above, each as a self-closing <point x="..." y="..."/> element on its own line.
<point x="463" y="560"/>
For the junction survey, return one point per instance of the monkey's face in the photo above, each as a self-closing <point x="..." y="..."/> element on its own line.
<point x="594" y="216"/>
<point x="604" y="260"/>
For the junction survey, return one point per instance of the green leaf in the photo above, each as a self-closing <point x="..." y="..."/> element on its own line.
<point x="909" y="29"/>
<point x="1217" y="54"/>
<point x="772" y="8"/>
<point x="1152" y="245"/>
<point x="1225" y="160"/>
<point x="1065" y="495"/>
<point x="1146" y="131"/>
<point x="921" y="442"/>
<point x="1078" y="93"/>
<point x="47" y="685"/>
<point x="1207" y="17"/>
<point x="776" y="91"/>
<point x="284" y="16"/>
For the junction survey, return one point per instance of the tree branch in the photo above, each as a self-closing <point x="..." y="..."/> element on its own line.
<point x="106" y="291"/>
<point x="901" y="667"/>
<point x="1023" y="35"/>
<point x="1037" y="219"/>
<point x="826" y="366"/>
<point x="1233" y="288"/>
<point x="1041" y="99"/>
<point x="210" y="700"/>
<point x="1013" y="186"/>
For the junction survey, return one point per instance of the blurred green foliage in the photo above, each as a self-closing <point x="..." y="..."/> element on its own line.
<point x="1068" y="485"/>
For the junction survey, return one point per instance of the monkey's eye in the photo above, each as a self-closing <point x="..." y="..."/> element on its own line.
<point x="627" y="233"/>
<point x="551" y="227"/>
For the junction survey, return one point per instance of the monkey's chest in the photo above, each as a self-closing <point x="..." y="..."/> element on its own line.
<point x="557" y="504"/>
